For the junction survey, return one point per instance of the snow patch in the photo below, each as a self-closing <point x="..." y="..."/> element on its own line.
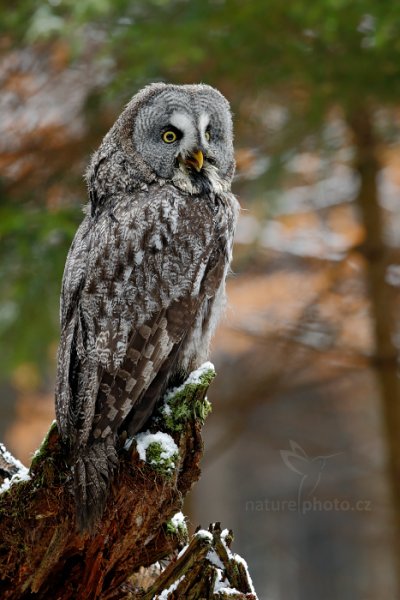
<point x="215" y="559"/>
<point x="181" y="552"/>
<point x="203" y="533"/>
<point x="228" y="591"/>
<point x="22" y="475"/>
<point x="194" y="378"/>
<point x="169" y="450"/>
<point x="240" y="559"/>
<point x="220" y="582"/>
<point x="8" y="457"/>
<point x="164" y="595"/>
<point x="178" y="520"/>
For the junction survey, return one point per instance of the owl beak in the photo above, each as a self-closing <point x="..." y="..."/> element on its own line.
<point x="195" y="160"/>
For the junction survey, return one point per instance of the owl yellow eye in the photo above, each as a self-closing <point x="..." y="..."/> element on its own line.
<point x="207" y="135"/>
<point x="169" y="137"/>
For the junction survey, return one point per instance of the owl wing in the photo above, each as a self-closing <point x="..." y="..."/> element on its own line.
<point x="72" y="354"/>
<point x="150" y="268"/>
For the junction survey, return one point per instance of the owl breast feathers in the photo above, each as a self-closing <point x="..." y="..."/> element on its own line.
<point x="144" y="280"/>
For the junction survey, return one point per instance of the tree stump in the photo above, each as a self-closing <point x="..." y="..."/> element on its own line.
<point x="42" y="555"/>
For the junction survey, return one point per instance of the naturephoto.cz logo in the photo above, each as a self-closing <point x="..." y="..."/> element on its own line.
<point x="309" y="471"/>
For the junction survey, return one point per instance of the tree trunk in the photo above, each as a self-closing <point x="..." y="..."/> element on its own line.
<point x="376" y="255"/>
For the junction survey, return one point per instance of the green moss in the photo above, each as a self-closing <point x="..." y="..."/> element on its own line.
<point x="177" y="529"/>
<point x="48" y="464"/>
<point x="43" y="451"/>
<point x="187" y="402"/>
<point x="155" y="456"/>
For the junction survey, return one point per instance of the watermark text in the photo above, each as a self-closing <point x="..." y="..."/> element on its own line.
<point x="306" y="506"/>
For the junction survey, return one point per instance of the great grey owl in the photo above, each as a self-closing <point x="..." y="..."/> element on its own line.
<point x="144" y="281"/>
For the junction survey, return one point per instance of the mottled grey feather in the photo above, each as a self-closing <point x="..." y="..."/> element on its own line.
<point x="144" y="280"/>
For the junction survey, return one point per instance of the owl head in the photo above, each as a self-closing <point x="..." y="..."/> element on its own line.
<point x="177" y="133"/>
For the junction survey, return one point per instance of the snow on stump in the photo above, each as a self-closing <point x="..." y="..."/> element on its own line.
<point x="42" y="553"/>
<point x="205" y="568"/>
<point x="158" y="450"/>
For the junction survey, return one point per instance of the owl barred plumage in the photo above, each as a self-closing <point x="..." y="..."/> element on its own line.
<point x="144" y="281"/>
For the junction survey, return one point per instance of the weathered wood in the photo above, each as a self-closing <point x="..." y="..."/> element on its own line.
<point x="41" y="551"/>
<point x="42" y="555"/>
<point x="206" y="561"/>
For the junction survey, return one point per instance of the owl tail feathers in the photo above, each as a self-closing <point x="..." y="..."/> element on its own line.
<point x="93" y="471"/>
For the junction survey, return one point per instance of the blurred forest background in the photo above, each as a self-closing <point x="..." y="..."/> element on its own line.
<point x="303" y="447"/>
